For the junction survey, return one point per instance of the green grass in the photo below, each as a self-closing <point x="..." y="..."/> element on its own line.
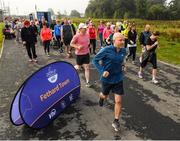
<point x="169" y="40"/>
<point x="169" y="51"/>
<point x="1" y="35"/>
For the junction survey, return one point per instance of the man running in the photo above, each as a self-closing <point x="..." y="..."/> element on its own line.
<point x="112" y="58"/>
<point x="150" y="56"/>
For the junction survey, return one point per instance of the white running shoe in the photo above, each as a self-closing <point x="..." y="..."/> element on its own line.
<point x="140" y="75"/>
<point x="154" y="81"/>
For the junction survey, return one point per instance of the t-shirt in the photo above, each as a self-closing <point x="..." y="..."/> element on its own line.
<point x="82" y="40"/>
<point x="92" y="32"/>
<point x="151" y="42"/>
<point x="67" y="31"/>
<point x="100" y="28"/>
<point x="106" y="33"/>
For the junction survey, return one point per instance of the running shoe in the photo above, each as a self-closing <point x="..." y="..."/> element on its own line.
<point x="116" y="125"/>
<point x="154" y="81"/>
<point x="34" y="60"/>
<point x="101" y="100"/>
<point x="61" y="50"/>
<point x="140" y="75"/>
<point x="88" y="84"/>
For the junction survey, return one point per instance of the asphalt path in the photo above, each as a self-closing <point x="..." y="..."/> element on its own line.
<point x="149" y="111"/>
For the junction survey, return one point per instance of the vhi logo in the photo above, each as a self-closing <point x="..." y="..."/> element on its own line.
<point x="52" y="75"/>
<point x="52" y="113"/>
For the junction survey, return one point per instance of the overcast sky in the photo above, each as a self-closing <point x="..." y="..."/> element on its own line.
<point x="20" y="7"/>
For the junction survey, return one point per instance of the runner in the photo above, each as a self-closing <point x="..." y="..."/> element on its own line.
<point x="150" y="56"/>
<point x="106" y="32"/>
<point x="112" y="58"/>
<point x="57" y="35"/>
<point x="46" y="36"/>
<point x="66" y="36"/>
<point x="109" y="40"/>
<point x="100" y="32"/>
<point x="143" y="39"/>
<point x="132" y="36"/>
<point x="125" y="33"/>
<point x="92" y="35"/>
<point x="35" y="30"/>
<point x="81" y="43"/>
<point x="18" y="28"/>
<point x="28" y="39"/>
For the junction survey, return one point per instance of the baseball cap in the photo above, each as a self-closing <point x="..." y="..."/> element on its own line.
<point x="82" y="25"/>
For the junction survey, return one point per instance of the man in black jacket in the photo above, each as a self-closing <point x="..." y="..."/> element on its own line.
<point x="28" y="38"/>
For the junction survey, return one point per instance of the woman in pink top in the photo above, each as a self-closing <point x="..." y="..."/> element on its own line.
<point x="107" y="32"/>
<point x="46" y="37"/>
<point x="81" y="44"/>
<point x="100" y="32"/>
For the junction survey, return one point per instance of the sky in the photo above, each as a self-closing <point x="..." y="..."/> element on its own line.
<point x="24" y="7"/>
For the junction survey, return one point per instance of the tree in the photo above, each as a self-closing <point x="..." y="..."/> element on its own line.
<point x="145" y="9"/>
<point x="174" y="9"/>
<point x="141" y="9"/>
<point x="155" y="12"/>
<point x="75" y="13"/>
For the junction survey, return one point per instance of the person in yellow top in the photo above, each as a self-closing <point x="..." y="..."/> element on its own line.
<point x="125" y="33"/>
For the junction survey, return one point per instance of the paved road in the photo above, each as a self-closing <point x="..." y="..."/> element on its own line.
<point x="149" y="111"/>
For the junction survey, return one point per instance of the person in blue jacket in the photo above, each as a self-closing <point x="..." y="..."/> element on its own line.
<point x="111" y="70"/>
<point x="57" y="35"/>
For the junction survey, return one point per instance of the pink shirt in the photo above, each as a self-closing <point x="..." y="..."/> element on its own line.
<point x="100" y="28"/>
<point x="82" y="40"/>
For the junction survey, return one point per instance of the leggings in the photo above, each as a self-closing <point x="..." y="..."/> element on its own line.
<point x="46" y="46"/>
<point x="132" y="51"/>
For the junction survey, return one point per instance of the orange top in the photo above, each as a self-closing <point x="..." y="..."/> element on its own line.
<point x="46" y="34"/>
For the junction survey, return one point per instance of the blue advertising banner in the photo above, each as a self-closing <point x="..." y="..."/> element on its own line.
<point x="15" y="113"/>
<point x="46" y="94"/>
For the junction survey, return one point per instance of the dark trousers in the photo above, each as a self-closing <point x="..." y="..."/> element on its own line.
<point x="126" y="42"/>
<point x="132" y="51"/>
<point x="93" y="43"/>
<point x="46" y="46"/>
<point x="101" y="38"/>
<point x="59" y="43"/>
<point x="31" y="50"/>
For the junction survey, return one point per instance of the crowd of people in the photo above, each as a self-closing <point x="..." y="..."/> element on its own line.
<point x="117" y="44"/>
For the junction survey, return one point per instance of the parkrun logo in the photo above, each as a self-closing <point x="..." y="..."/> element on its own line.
<point x="52" y="75"/>
<point x="52" y="113"/>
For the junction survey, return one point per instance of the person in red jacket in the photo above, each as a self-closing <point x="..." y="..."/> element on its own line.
<point x="46" y="37"/>
<point x="92" y="36"/>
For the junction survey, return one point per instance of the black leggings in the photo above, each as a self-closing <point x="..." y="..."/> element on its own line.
<point x="31" y="50"/>
<point x="93" y="43"/>
<point x="46" y="46"/>
<point x="152" y="59"/>
<point x="132" y="51"/>
<point x="59" y="43"/>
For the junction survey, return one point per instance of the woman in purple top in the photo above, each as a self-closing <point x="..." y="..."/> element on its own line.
<point x="100" y="32"/>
